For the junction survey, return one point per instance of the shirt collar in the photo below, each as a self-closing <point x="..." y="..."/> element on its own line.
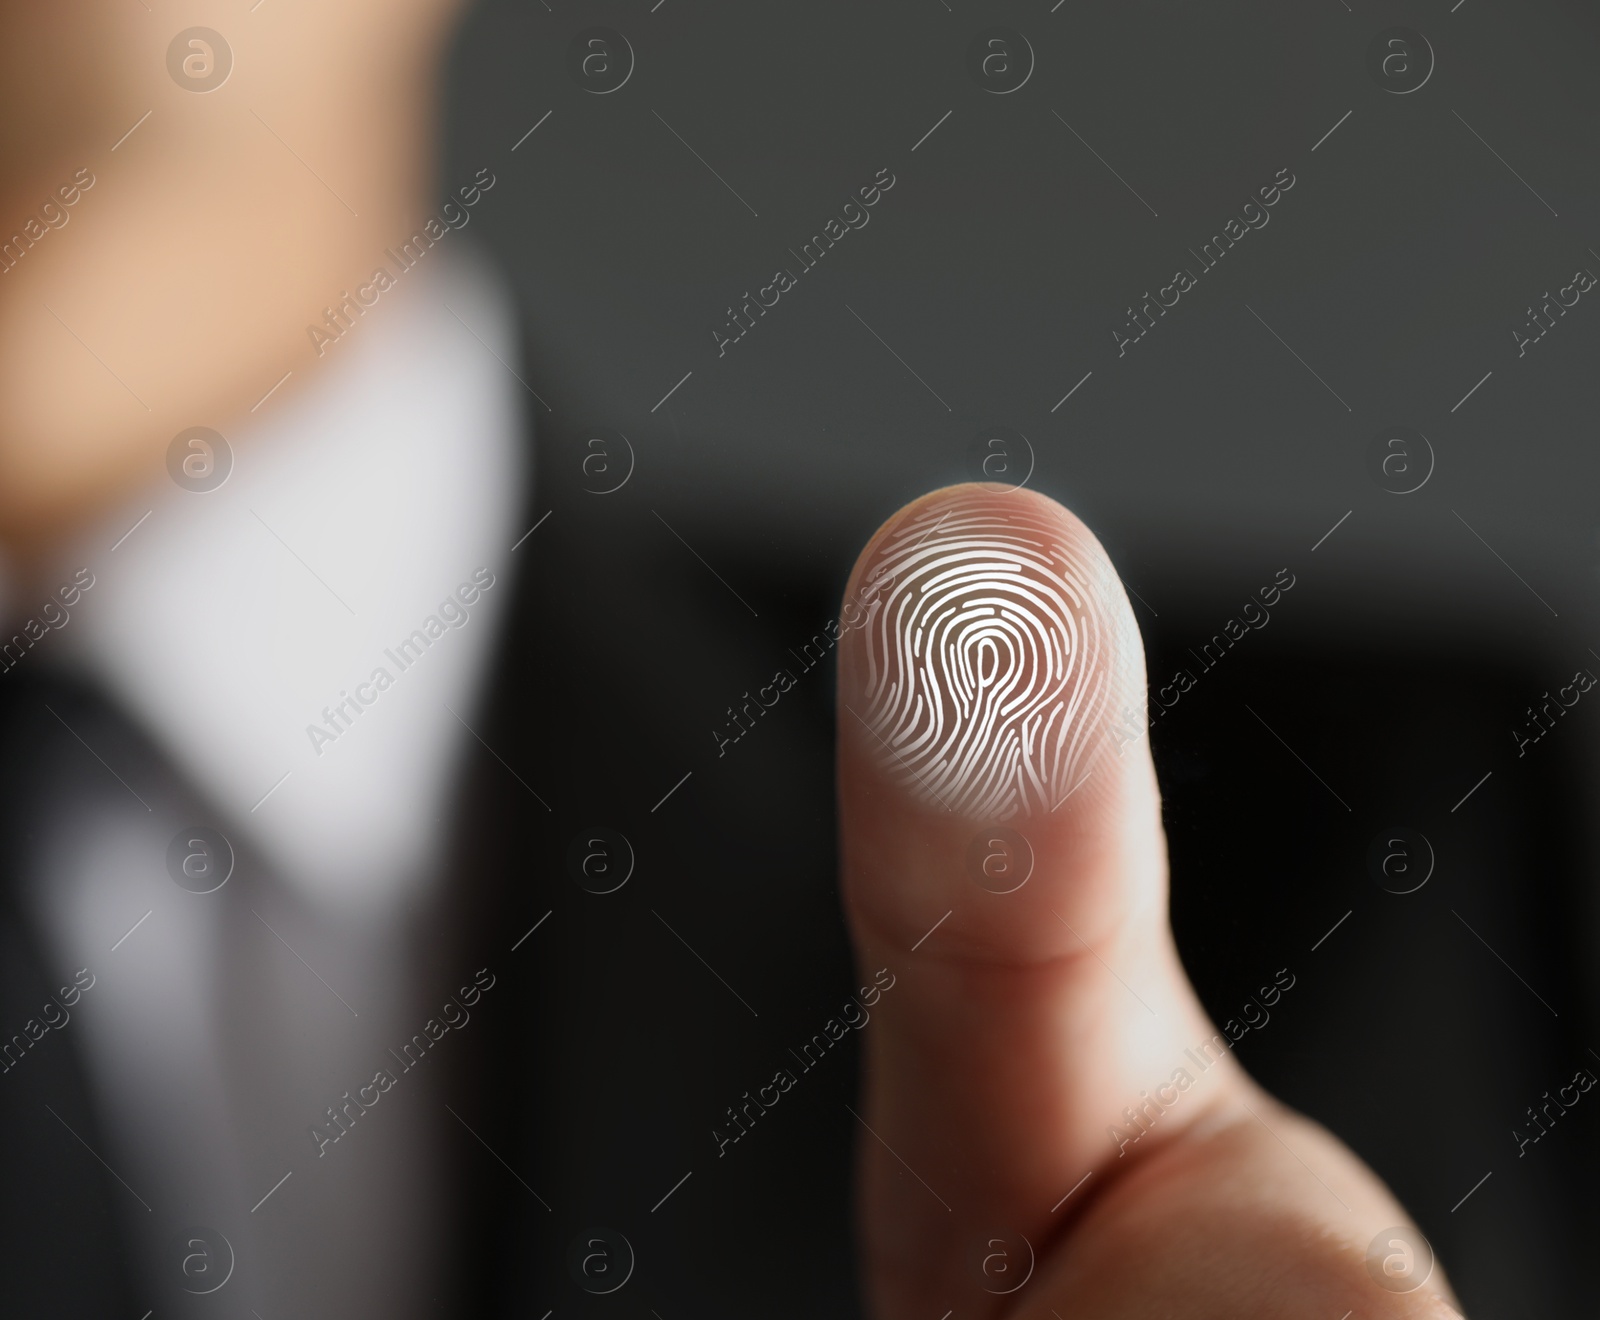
<point x="306" y="640"/>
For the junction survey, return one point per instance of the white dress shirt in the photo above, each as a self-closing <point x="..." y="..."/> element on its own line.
<point x="229" y="621"/>
<point x="227" y="625"/>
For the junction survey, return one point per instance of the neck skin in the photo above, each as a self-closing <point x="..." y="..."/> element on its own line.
<point x="179" y="289"/>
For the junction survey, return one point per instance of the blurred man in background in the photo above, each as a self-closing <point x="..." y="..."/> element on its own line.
<point x="261" y="468"/>
<point x="238" y="473"/>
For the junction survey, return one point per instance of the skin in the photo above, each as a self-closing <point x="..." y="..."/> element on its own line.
<point x="1004" y="1051"/>
<point x="1007" y="1048"/>
<point x="193" y="265"/>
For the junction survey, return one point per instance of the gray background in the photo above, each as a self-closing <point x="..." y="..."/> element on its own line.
<point x="1206" y="458"/>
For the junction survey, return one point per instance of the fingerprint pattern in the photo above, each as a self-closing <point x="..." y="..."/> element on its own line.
<point x="986" y="686"/>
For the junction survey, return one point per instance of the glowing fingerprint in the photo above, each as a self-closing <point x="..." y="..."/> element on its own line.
<point x="986" y="681"/>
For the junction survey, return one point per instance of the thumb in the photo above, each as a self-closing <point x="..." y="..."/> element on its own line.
<point x="1003" y="859"/>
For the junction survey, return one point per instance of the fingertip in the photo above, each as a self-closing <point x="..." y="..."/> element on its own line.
<point x="990" y="654"/>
